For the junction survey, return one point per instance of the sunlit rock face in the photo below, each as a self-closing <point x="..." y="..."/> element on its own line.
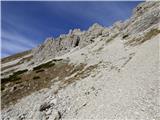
<point x="63" y="44"/>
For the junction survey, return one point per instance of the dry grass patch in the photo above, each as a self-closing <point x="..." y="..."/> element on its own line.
<point x="27" y="59"/>
<point x="31" y="81"/>
<point x="140" y="40"/>
<point x="7" y="67"/>
<point x="36" y="77"/>
<point x="82" y="73"/>
<point x="15" y="56"/>
<point x="15" y="76"/>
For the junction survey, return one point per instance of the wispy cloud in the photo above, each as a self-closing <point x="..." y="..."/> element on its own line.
<point x="105" y="13"/>
<point x="15" y="36"/>
<point x="14" y="43"/>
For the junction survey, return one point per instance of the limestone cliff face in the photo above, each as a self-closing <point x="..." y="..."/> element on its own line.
<point x="144" y="16"/>
<point x="53" y="47"/>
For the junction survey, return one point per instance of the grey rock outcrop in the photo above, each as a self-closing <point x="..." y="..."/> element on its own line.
<point x="53" y="47"/>
<point x="144" y="16"/>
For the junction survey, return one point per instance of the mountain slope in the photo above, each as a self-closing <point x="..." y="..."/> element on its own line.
<point x="102" y="73"/>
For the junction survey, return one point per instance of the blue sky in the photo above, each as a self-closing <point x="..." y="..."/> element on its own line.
<point x="24" y="25"/>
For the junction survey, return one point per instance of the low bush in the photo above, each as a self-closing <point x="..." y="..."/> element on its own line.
<point x="125" y="36"/>
<point x="13" y="77"/>
<point x="10" y="79"/>
<point x="45" y="65"/>
<point x="19" y="72"/>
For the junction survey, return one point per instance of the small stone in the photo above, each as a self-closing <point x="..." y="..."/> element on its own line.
<point x="44" y="106"/>
<point x="22" y="117"/>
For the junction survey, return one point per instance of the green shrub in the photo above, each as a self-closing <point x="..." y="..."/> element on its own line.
<point x="45" y="65"/>
<point x="125" y="36"/>
<point x="19" y="72"/>
<point x="13" y="77"/>
<point x="10" y="79"/>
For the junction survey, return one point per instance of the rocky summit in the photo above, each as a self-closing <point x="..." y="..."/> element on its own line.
<point x="98" y="74"/>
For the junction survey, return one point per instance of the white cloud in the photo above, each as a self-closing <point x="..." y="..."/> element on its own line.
<point x="13" y="43"/>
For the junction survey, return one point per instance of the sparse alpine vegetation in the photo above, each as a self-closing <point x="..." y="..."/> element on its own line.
<point x="147" y="36"/>
<point x="40" y="77"/>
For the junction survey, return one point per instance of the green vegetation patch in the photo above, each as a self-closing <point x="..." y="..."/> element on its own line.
<point x="19" y="72"/>
<point x="14" y="76"/>
<point x="10" y="79"/>
<point x="45" y="65"/>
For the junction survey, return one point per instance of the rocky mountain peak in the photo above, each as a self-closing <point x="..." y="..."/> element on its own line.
<point x="75" y="32"/>
<point x="144" y="16"/>
<point x="94" y="27"/>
